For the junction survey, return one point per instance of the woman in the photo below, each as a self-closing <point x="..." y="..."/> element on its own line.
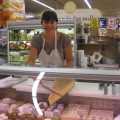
<point x="52" y="48"/>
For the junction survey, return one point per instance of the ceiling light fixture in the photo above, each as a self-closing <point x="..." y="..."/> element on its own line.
<point x="88" y="4"/>
<point x="43" y="4"/>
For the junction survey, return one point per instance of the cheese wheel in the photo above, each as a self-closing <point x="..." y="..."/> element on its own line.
<point x="61" y="85"/>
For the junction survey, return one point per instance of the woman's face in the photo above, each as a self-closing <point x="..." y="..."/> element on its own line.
<point x="49" y="26"/>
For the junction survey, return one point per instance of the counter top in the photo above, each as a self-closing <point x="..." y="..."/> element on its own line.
<point x="84" y="89"/>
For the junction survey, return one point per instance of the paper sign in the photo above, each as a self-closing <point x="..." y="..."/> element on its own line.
<point x="102" y="22"/>
<point x="94" y="22"/>
<point x="111" y="23"/>
<point x="102" y="31"/>
<point x="84" y="15"/>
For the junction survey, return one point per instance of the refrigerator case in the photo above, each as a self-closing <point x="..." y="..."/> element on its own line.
<point x="85" y="93"/>
<point x="22" y="32"/>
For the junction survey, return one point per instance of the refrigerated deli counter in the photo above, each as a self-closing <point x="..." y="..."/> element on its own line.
<point x="95" y="95"/>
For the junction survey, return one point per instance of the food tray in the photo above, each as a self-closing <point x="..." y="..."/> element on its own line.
<point x="76" y="112"/>
<point x="100" y="115"/>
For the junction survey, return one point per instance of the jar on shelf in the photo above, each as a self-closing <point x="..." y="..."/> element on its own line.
<point x="78" y="26"/>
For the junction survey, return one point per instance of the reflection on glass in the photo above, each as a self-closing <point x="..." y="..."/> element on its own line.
<point x="20" y="43"/>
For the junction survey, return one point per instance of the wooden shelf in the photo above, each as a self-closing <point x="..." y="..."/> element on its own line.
<point x="100" y="43"/>
<point x="114" y="36"/>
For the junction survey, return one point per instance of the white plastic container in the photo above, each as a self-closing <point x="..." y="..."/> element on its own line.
<point x="83" y="62"/>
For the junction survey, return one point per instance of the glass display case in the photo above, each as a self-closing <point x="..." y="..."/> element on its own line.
<point x="97" y="88"/>
<point x="21" y="33"/>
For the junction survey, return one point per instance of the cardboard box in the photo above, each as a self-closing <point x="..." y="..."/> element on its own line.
<point x="110" y="31"/>
<point x="100" y="114"/>
<point x="94" y="31"/>
<point x="13" y="10"/>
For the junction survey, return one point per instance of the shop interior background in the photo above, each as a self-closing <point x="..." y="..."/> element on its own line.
<point x="108" y="8"/>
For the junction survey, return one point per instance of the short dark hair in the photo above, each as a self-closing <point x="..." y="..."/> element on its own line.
<point x="49" y="15"/>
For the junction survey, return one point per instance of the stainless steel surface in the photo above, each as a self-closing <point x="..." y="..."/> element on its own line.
<point x="81" y="74"/>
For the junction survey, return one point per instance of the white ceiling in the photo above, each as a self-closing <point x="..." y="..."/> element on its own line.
<point x="107" y="7"/>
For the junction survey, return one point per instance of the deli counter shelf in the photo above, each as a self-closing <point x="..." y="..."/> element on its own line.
<point x="22" y="61"/>
<point x="83" y="89"/>
<point x="21" y="51"/>
<point x="102" y="43"/>
<point x="86" y="93"/>
<point x="20" y="40"/>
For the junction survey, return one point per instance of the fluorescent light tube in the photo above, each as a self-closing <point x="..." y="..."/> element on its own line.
<point x="43" y="4"/>
<point x="88" y="4"/>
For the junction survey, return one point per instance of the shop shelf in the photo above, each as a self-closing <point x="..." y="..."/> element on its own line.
<point x="83" y="89"/>
<point x="18" y="61"/>
<point x="21" y="51"/>
<point x="99" y="43"/>
<point x="3" y="46"/>
<point x="22" y="61"/>
<point x="2" y="54"/>
<point x="83" y="34"/>
<point x="26" y="51"/>
<point x="20" y="40"/>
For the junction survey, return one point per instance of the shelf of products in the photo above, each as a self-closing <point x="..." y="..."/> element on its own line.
<point x="115" y="35"/>
<point x="20" y="35"/>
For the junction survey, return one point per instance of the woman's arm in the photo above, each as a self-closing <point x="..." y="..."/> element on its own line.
<point x="32" y="56"/>
<point x="68" y="56"/>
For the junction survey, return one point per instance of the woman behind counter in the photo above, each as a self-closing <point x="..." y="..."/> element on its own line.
<point x="52" y="48"/>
